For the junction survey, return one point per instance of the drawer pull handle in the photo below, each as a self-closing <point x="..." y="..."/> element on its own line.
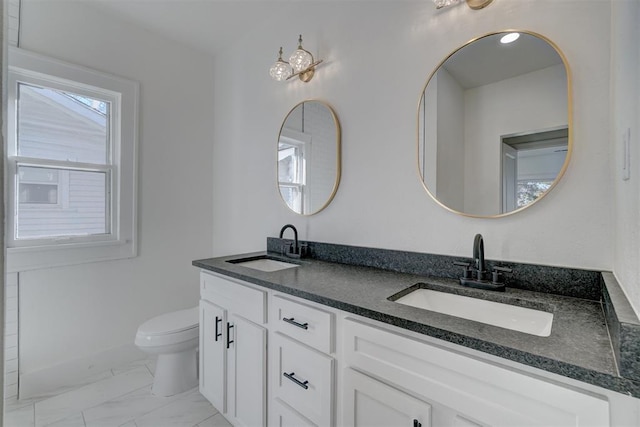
<point x="417" y="423"/>
<point x="218" y="334"/>
<point x="294" y="323"/>
<point x="297" y="381"/>
<point x="229" y="340"/>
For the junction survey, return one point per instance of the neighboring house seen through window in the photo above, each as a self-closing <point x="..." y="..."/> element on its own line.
<point x="71" y="162"/>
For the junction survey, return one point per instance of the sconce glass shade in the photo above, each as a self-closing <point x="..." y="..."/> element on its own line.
<point x="281" y="70"/>
<point x="473" y="4"/>
<point x="444" y="3"/>
<point x="300" y="60"/>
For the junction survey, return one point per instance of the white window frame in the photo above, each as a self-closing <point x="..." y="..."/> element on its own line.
<point x="120" y="242"/>
<point x="302" y="142"/>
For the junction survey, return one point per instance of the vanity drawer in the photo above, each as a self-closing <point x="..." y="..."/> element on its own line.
<point x="304" y="323"/>
<point x="303" y="379"/>
<point x="235" y="295"/>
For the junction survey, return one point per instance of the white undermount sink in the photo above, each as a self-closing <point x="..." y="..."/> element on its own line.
<point x="264" y="264"/>
<point x="527" y="320"/>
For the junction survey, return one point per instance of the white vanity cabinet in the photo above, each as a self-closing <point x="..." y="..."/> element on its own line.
<point x="389" y="376"/>
<point x="302" y="367"/>
<point x="373" y="403"/>
<point x="233" y="349"/>
<point x="326" y="367"/>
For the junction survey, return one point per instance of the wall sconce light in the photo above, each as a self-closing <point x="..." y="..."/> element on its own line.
<point x="301" y="64"/>
<point x="473" y="4"/>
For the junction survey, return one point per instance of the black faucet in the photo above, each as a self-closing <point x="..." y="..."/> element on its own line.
<point x="478" y="256"/>
<point x="477" y="268"/>
<point x="295" y="250"/>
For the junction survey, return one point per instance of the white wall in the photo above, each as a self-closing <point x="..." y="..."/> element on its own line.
<point x="625" y="113"/>
<point x="378" y="56"/>
<point x="451" y="142"/>
<point x="531" y="102"/>
<point x="85" y="317"/>
<point x="428" y="131"/>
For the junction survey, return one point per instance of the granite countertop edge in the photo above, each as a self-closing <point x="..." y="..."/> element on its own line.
<point x="588" y="375"/>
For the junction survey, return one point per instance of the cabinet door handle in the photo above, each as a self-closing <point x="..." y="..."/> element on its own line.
<point x="292" y="377"/>
<point x="294" y="323"/>
<point x="417" y="423"/>
<point x="229" y="340"/>
<point x="218" y="334"/>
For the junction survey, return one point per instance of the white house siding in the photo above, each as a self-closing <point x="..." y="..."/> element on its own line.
<point x="54" y="126"/>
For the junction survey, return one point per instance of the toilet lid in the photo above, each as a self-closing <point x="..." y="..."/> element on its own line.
<point x="173" y="322"/>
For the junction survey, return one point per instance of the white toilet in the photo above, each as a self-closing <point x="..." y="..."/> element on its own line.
<point x="174" y="338"/>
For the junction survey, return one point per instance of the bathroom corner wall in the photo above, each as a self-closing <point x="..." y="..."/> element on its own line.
<point x="625" y="117"/>
<point x="78" y="320"/>
<point x="378" y="56"/>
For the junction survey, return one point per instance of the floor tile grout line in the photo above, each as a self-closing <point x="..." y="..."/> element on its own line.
<point x="175" y="399"/>
<point x="208" y="418"/>
<point x="149" y="369"/>
<point x="89" y="384"/>
<point x="133" y="420"/>
<point x="115" y="398"/>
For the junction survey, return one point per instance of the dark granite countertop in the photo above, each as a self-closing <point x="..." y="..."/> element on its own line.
<point x="579" y="346"/>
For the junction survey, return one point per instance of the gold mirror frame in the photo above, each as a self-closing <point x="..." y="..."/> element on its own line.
<point x="569" y="124"/>
<point x="338" y="159"/>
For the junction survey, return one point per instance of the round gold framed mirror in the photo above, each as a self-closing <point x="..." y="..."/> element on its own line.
<point x="309" y="157"/>
<point x="495" y="124"/>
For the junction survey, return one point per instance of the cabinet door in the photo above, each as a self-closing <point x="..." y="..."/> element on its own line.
<point x="464" y="389"/>
<point x="282" y="415"/>
<point x="213" y="354"/>
<point x="369" y="403"/>
<point x="247" y="371"/>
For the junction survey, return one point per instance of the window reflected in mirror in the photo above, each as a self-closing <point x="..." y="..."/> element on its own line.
<point x="494" y="125"/>
<point x="530" y="164"/>
<point x="309" y="157"/>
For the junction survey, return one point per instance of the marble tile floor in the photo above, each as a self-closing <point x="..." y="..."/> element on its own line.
<point x="116" y="398"/>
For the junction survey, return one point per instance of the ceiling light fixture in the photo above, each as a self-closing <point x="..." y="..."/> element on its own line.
<point x="473" y="4"/>
<point x="509" y="38"/>
<point x="301" y="64"/>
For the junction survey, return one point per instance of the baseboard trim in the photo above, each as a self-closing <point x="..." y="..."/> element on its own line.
<point x="76" y="372"/>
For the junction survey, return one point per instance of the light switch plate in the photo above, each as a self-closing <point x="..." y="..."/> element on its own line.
<point x="626" y="154"/>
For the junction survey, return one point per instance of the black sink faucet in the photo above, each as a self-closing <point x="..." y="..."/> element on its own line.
<point x="295" y="250"/>
<point x="478" y="256"/>
<point x="477" y="268"/>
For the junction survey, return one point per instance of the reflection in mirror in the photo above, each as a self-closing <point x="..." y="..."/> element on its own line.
<point x="494" y="125"/>
<point x="309" y="157"/>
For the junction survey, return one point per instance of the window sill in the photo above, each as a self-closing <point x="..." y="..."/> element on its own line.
<point x="39" y="257"/>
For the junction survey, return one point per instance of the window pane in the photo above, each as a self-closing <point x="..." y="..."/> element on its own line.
<point x="61" y="202"/>
<point x="292" y="197"/>
<point x="38" y="193"/>
<point x="59" y="125"/>
<point x="288" y="158"/>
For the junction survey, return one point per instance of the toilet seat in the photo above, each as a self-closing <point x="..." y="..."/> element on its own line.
<point x="170" y="328"/>
<point x="170" y="323"/>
